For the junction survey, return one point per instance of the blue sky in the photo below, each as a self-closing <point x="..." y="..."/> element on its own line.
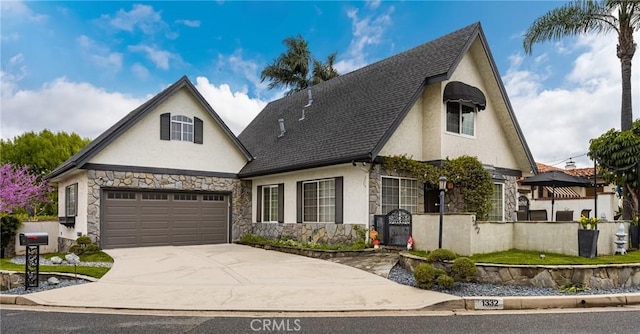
<point x="81" y="66"/>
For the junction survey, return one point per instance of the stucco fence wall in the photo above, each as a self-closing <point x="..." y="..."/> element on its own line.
<point x="329" y="233"/>
<point x="49" y="227"/>
<point x="465" y="236"/>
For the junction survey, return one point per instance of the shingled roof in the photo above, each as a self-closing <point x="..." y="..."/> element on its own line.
<point x="107" y="137"/>
<point x="353" y="115"/>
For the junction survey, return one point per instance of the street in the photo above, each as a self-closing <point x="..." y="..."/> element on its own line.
<point x="615" y="320"/>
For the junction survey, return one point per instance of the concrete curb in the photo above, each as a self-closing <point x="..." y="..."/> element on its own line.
<point x="465" y="303"/>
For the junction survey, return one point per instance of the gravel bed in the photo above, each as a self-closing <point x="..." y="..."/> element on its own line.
<point x="403" y="276"/>
<point x="43" y="286"/>
<point x="46" y="262"/>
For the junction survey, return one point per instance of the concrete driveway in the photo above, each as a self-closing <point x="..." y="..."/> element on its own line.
<point x="237" y="278"/>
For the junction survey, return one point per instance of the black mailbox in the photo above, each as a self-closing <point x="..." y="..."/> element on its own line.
<point x="34" y="239"/>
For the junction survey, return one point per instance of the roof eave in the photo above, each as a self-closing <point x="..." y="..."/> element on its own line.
<point x="358" y="158"/>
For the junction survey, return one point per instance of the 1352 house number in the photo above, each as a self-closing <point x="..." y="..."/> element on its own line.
<point x="489" y="304"/>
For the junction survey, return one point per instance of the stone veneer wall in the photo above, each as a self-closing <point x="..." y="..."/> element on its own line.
<point x="328" y="233"/>
<point x="596" y="276"/>
<point x="240" y="194"/>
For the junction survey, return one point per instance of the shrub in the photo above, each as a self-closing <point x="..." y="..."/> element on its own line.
<point x="440" y="272"/>
<point x="445" y="281"/>
<point x="463" y="267"/>
<point x="75" y="249"/>
<point x="9" y="225"/>
<point x="83" y="240"/>
<point x="441" y="255"/>
<point x="90" y="249"/>
<point x="424" y="275"/>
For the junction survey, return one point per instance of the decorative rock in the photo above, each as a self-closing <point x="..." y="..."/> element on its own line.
<point x="53" y="281"/>
<point x="56" y="260"/>
<point x="72" y="258"/>
<point x="544" y="279"/>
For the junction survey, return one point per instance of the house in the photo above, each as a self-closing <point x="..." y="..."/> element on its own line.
<point x="572" y="202"/>
<point x="308" y="166"/>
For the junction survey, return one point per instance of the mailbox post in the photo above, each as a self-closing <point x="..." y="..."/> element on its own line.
<point x="32" y="241"/>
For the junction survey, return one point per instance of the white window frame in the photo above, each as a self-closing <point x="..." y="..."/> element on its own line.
<point x="269" y="212"/>
<point x="186" y="128"/>
<point x="460" y="118"/>
<point x="411" y="207"/>
<point x="492" y="216"/>
<point x="320" y="208"/>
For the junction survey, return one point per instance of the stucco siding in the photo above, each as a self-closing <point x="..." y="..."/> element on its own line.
<point x="490" y="143"/>
<point x="83" y="200"/>
<point x="141" y="144"/>
<point x="433" y="112"/>
<point x="355" y="190"/>
<point x="407" y="139"/>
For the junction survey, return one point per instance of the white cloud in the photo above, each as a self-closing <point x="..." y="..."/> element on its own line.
<point x="558" y="122"/>
<point x="142" y="17"/>
<point x="10" y="37"/>
<point x="237" y="109"/>
<point x="100" y="55"/>
<point x="366" y="31"/>
<point x="62" y="105"/>
<point x="373" y="4"/>
<point x="189" y="23"/>
<point x="140" y="71"/>
<point x="247" y="69"/>
<point x="159" y="57"/>
<point x="18" y="9"/>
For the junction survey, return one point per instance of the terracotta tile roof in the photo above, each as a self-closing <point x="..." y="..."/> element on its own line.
<point x="581" y="172"/>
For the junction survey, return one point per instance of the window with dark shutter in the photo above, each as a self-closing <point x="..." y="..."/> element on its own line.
<point x="281" y="203"/>
<point x="165" y="126"/>
<point x="259" y="205"/>
<point x="197" y="131"/>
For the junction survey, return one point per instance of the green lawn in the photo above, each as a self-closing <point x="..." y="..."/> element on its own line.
<point x="97" y="272"/>
<point x="515" y="256"/>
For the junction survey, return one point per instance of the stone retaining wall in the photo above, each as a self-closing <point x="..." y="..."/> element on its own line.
<point x="12" y="279"/>
<point x="598" y="276"/>
<point x="327" y="233"/>
<point x="316" y="253"/>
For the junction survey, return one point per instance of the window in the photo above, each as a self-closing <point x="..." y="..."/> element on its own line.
<point x="185" y="197"/>
<point x="270" y="203"/>
<point x="319" y="201"/>
<point x="155" y="196"/>
<point x="399" y="193"/>
<point x="497" y="203"/>
<point x="181" y="128"/>
<point x="214" y="198"/>
<point x="461" y="118"/>
<point x="71" y="200"/>
<point x="121" y="195"/>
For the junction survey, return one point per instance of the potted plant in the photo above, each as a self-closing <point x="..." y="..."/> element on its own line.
<point x="588" y="237"/>
<point x="374" y="238"/>
<point x="634" y="232"/>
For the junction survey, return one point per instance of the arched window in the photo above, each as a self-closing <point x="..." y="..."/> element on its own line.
<point x="181" y="128"/>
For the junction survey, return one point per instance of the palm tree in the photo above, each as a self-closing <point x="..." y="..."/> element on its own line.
<point x="291" y="68"/>
<point x="579" y="17"/>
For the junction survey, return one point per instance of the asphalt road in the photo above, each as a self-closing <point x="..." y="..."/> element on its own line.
<point x="588" y="321"/>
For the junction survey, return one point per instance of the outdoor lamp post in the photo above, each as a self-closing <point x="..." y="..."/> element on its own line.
<point x="442" y="185"/>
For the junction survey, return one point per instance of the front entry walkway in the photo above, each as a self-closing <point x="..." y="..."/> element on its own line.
<point x="237" y="278"/>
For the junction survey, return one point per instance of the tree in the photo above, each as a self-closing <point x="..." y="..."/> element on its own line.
<point x="579" y="17"/>
<point x="41" y="152"/>
<point x="292" y="68"/>
<point x="19" y="188"/>
<point x="618" y="154"/>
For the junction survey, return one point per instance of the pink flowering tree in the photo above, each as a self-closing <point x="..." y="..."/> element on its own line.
<point x="19" y="188"/>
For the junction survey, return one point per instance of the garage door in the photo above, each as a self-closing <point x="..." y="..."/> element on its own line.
<point x="138" y="219"/>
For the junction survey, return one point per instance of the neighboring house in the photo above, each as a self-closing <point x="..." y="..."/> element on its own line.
<point x="574" y="201"/>
<point x="309" y="165"/>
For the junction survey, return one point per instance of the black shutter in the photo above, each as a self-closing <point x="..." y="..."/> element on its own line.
<point x="165" y="126"/>
<point x="281" y="203"/>
<point x="299" y="202"/>
<point x="259" y="205"/>
<point x="197" y="130"/>
<point x="339" y="201"/>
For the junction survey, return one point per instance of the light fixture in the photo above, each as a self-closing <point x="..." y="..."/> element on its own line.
<point x="442" y="183"/>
